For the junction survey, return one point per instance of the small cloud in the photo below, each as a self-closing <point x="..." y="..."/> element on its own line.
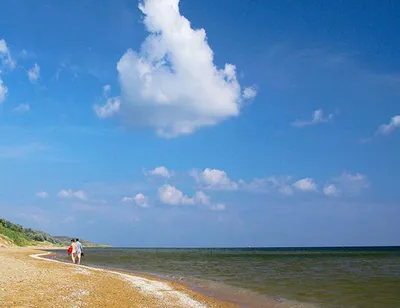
<point x="42" y="195"/>
<point x="331" y="190"/>
<point x="317" y="118"/>
<point x="141" y="200"/>
<point x="214" y="179"/>
<point x="249" y="93"/>
<point x="160" y="171"/>
<point x="22" y="108"/>
<point x="202" y="199"/>
<point x="306" y="185"/>
<point x="68" y="193"/>
<point x="111" y="106"/>
<point x="3" y="91"/>
<point x="386" y="129"/>
<point x="5" y="55"/>
<point x="127" y="199"/>
<point x="34" y="73"/>
<point x="351" y="183"/>
<point x="171" y="195"/>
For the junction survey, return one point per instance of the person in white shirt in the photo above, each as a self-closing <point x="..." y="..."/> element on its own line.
<point x="79" y="251"/>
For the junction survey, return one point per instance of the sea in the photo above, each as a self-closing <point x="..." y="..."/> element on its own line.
<point x="262" y="277"/>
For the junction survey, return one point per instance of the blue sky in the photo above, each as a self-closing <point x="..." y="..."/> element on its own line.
<point x="202" y="123"/>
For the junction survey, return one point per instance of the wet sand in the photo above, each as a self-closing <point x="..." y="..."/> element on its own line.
<point x="29" y="280"/>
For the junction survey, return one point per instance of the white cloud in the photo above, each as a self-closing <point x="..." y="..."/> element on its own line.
<point x="172" y="84"/>
<point x="72" y="194"/>
<point x="42" y="195"/>
<point x="141" y="200"/>
<point x="202" y="199"/>
<point x="214" y="179"/>
<point x="171" y="195"/>
<point x="317" y="118"/>
<point x="5" y="55"/>
<point x="351" y="184"/>
<point x="160" y="171"/>
<point x="34" y="73"/>
<point x="3" y="47"/>
<point x="3" y="91"/>
<point x="331" y="190"/>
<point x="127" y="199"/>
<point x="306" y="184"/>
<point x="22" y="108"/>
<point x="63" y="194"/>
<point x="249" y="93"/>
<point x="386" y="129"/>
<point x="111" y="106"/>
<point x="107" y="110"/>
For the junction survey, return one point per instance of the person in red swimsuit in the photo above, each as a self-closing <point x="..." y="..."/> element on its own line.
<point x="72" y="250"/>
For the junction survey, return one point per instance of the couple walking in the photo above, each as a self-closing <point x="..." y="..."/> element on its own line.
<point x="76" y="251"/>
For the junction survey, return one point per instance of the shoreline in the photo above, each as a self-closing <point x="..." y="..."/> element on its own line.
<point x="28" y="276"/>
<point x="151" y="276"/>
<point x="130" y="274"/>
<point x="235" y="296"/>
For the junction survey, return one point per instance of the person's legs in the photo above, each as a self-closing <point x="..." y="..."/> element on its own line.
<point x="73" y="257"/>
<point x="78" y="258"/>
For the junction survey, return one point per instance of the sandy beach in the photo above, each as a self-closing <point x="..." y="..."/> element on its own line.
<point x="29" y="280"/>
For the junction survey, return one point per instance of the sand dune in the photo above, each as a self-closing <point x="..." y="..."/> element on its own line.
<point x="5" y="242"/>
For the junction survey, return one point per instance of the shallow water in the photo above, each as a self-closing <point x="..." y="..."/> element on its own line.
<point x="325" y="277"/>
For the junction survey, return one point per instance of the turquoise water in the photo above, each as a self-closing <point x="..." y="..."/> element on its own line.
<point x="321" y="277"/>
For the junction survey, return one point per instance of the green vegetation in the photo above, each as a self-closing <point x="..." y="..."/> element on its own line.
<point x="21" y="236"/>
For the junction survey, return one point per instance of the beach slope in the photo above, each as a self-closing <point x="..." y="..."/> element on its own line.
<point x="29" y="280"/>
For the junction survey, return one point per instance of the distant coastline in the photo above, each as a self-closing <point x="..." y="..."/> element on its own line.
<point x="12" y="234"/>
